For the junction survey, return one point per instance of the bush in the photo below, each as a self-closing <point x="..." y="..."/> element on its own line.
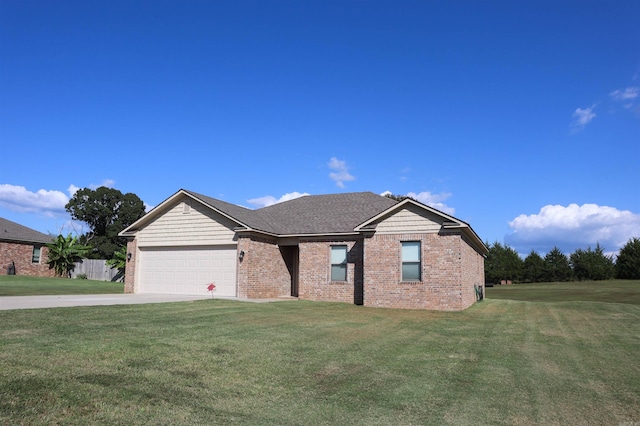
<point x="81" y="276"/>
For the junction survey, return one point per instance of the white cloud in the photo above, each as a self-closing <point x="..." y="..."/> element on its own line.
<point x="269" y="200"/>
<point x="107" y="183"/>
<point x="573" y="227"/>
<point x="19" y="199"/>
<point x="46" y="202"/>
<point x="431" y="200"/>
<point x="582" y="117"/>
<point x="72" y="190"/>
<point x="434" y="200"/>
<point x="340" y="172"/>
<point x="625" y="94"/>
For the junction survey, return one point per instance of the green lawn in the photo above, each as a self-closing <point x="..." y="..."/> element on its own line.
<point x="616" y="291"/>
<point x="308" y="363"/>
<point x="20" y="285"/>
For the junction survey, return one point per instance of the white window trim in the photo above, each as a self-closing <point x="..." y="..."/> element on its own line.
<point x="419" y="262"/>
<point x="346" y="263"/>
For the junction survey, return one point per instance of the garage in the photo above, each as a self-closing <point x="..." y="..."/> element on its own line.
<point x="188" y="270"/>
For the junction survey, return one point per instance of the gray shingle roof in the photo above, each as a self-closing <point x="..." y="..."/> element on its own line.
<point x="311" y="214"/>
<point x="242" y="214"/>
<point x="324" y="214"/>
<point x="11" y="231"/>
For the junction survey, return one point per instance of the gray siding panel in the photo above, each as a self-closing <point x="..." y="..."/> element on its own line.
<point x="411" y="219"/>
<point x="195" y="225"/>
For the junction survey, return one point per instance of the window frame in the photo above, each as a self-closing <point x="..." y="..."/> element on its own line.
<point x="38" y="250"/>
<point x="410" y="262"/>
<point x="343" y="265"/>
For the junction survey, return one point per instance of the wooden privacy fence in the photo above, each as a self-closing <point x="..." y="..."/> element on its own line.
<point x="96" y="269"/>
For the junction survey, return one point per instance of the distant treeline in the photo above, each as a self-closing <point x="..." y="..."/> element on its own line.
<point x="504" y="263"/>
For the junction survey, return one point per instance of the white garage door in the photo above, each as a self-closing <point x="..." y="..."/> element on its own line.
<point x="188" y="270"/>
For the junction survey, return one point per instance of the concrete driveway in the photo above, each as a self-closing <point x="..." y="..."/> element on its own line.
<point x="37" y="302"/>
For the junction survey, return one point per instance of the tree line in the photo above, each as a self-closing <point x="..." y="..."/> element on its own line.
<point x="504" y="263"/>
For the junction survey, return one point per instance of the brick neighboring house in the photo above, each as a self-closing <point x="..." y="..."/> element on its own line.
<point x="357" y="248"/>
<point x="25" y="248"/>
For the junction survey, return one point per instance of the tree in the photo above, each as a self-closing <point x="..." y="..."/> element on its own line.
<point x="556" y="266"/>
<point x="107" y="212"/>
<point x="628" y="262"/>
<point x="64" y="253"/>
<point x="502" y="263"/>
<point x="533" y="270"/>
<point x="399" y="197"/>
<point x="591" y="264"/>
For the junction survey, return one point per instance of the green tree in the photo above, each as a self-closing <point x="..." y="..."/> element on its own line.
<point x="64" y="253"/>
<point x="533" y="270"/>
<point x="628" y="262"/>
<point x="502" y="263"/>
<point x="399" y="197"/>
<point x="591" y="264"/>
<point x="556" y="266"/>
<point x="106" y="211"/>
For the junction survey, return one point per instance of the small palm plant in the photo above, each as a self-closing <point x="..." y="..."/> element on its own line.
<point x="119" y="261"/>
<point x="64" y="252"/>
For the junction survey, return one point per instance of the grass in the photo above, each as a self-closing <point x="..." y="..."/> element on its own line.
<point x="297" y="363"/>
<point x="615" y="291"/>
<point x="20" y="285"/>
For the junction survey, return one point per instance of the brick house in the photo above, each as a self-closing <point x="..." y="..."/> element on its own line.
<point x="25" y="248"/>
<point x="357" y="248"/>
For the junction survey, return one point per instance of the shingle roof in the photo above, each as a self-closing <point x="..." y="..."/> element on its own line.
<point x="11" y="231"/>
<point x="328" y="214"/>
<point x="242" y="214"/>
<point x="324" y="214"/>
<point x="311" y="214"/>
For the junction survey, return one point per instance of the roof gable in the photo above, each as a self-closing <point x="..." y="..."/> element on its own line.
<point x="446" y="221"/>
<point x="225" y="209"/>
<point x="11" y="231"/>
<point x="436" y="214"/>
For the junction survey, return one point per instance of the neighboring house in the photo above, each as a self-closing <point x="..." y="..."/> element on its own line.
<point x="25" y="248"/>
<point x="358" y="248"/>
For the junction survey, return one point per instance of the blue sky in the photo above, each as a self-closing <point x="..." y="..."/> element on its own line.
<point x="521" y="118"/>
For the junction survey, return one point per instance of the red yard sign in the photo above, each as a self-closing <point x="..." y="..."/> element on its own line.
<point x="211" y="287"/>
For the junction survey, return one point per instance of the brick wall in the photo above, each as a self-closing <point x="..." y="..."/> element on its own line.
<point x="472" y="272"/>
<point x="450" y="268"/>
<point x="315" y="272"/>
<point x="21" y="254"/>
<point x="130" y="269"/>
<point x="263" y="272"/>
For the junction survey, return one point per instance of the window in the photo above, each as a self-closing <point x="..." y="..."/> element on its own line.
<point x="35" y="256"/>
<point x="338" y="263"/>
<point x="411" y="261"/>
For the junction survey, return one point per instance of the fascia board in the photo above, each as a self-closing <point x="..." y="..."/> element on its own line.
<point x="132" y="229"/>
<point x="401" y="205"/>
